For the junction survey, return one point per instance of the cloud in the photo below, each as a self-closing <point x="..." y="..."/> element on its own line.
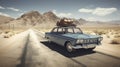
<point x="2" y="7"/>
<point x="10" y="8"/>
<point x="98" y="11"/>
<point x="13" y="9"/>
<point x="4" y="14"/>
<point x="91" y="19"/>
<point x="85" y="10"/>
<point x="62" y="14"/>
<point x="103" y="11"/>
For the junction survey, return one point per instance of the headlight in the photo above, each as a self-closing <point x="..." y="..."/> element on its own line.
<point x="79" y="41"/>
<point x="65" y="20"/>
<point x="100" y="39"/>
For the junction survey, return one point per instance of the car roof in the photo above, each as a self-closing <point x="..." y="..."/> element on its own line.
<point x="66" y="27"/>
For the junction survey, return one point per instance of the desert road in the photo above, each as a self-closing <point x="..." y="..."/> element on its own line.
<point x="31" y="49"/>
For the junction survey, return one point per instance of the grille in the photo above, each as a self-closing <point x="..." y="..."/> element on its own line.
<point x="90" y="40"/>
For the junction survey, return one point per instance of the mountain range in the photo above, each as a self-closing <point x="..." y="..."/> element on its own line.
<point x="33" y="18"/>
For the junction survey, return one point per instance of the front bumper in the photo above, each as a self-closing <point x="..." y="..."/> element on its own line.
<point x="86" y="46"/>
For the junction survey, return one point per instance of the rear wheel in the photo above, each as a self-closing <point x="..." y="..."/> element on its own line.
<point x="69" y="47"/>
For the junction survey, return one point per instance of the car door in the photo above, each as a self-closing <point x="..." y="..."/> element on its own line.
<point x="57" y="36"/>
<point x="52" y="36"/>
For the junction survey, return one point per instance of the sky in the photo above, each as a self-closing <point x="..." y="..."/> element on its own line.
<point x="97" y="10"/>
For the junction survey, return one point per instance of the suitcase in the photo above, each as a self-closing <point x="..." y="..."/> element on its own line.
<point x="65" y="23"/>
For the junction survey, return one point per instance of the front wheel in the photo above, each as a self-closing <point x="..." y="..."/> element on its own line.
<point x="69" y="47"/>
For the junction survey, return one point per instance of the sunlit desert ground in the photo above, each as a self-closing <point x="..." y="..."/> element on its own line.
<point x="26" y="48"/>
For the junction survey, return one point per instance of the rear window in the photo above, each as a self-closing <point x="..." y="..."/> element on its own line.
<point x="60" y="29"/>
<point x="54" y="30"/>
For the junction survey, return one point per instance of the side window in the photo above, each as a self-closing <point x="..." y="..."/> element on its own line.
<point x="70" y="30"/>
<point x="60" y="30"/>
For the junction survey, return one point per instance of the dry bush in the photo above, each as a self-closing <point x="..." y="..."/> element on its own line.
<point x="6" y="32"/>
<point x="108" y="36"/>
<point x="6" y="36"/>
<point x="99" y="32"/>
<point x="117" y="36"/>
<point x="115" y="41"/>
<point x="116" y="32"/>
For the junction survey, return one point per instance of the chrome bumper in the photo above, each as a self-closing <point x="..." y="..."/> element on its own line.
<point x="86" y="46"/>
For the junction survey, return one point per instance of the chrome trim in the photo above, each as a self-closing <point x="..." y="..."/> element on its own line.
<point x="85" y="41"/>
<point x="84" y="46"/>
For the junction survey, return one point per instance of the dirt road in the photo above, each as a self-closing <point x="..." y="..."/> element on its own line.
<point x="11" y="49"/>
<point x="30" y="49"/>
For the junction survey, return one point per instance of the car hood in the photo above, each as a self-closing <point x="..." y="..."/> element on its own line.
<point x="81" y="36"/>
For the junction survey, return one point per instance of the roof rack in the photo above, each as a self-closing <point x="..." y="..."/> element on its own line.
<point x="65" y="23"/>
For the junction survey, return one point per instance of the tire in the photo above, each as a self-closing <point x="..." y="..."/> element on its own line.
<point x="69" y="47"/>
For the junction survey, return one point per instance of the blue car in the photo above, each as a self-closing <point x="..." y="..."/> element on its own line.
<point x="72" y="38"/>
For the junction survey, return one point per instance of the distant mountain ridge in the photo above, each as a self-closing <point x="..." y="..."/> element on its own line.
<point x="34" y="18"/>
<point x="5" y="19"/>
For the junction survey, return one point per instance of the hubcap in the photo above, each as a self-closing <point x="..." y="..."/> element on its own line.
<point x="69" y="47"/>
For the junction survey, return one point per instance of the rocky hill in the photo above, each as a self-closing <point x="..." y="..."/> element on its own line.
<point x="5" y="19"/>
<point x="51" y="17"/>
<point x="35" y="18"/>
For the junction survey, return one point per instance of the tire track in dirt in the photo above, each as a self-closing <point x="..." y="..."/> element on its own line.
<point x="24" y="53"/>
<point x="10" y="53"/>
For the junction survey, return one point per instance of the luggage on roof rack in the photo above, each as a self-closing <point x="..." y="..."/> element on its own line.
<point x="65" y="22"/>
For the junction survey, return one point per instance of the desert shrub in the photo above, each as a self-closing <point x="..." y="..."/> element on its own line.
<point x="108" y="36"/>
<point x="6" y="36"/>
<point x="115" y="41"/>
<point x="117" y="36"/>
<point x="6" y="32"/>
<point x="116" y="33"/>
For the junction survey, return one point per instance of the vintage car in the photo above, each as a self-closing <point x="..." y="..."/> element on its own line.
<point x="72" y="37"/>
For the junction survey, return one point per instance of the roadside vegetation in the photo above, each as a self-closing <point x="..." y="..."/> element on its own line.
<point x="116" y="39"/>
